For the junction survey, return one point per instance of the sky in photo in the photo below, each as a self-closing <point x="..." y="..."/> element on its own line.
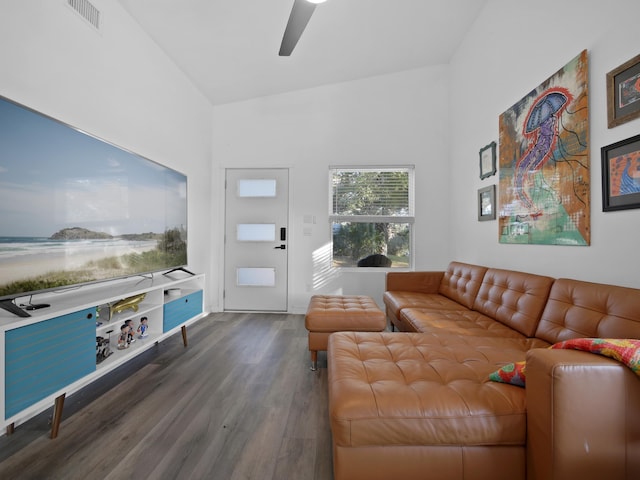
<point x="53" y="176"/>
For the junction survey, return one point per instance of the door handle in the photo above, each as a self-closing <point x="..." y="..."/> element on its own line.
<point x="281" y="247"/>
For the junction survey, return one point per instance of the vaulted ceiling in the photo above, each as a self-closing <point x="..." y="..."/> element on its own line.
<point x="229" y="48"/>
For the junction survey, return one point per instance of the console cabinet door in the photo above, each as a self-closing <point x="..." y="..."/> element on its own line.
<point x="182" y="309"/>
<point x="45" y="357"/>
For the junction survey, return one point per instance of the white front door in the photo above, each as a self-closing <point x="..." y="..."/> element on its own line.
<point x="256" y="239"/>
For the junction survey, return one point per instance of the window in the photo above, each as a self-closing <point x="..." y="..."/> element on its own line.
<point x="371" y="215"/>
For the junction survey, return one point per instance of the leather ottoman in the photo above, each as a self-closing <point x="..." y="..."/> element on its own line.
<point x="327" y="314"/>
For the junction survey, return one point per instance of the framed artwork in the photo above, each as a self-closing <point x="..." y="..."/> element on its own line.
<point x="487" y="203"/>
<point x="621" y="175"/>
<point x="623" y="93"/>
<point x="488" y="160"/>
<point x="544" y="186"/>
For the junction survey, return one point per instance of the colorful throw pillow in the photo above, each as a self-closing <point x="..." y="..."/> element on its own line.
<point x="626" y="351"/>
<point x="512" y="373"/>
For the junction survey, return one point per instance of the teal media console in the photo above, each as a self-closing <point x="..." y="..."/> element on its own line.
<point x="54" y="352"/>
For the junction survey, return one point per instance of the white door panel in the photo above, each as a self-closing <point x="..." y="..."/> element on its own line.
<point x="256" y="254"/>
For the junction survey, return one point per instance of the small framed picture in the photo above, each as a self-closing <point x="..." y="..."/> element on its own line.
<point x="488" y="160"/>
<point x="621" y="175"/>
<point x="487" y="203"/>
<point x="623" y="93"/>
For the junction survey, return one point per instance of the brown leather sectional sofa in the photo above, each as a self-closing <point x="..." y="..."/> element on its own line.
<point x="418" y="404"/>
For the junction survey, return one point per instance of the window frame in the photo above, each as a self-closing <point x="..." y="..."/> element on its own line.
<point x="397" y="219"/>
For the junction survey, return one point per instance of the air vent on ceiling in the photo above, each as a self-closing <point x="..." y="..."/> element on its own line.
<point x="87" y="11"/>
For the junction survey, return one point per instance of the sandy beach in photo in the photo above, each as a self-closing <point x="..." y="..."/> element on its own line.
<point x="23" y="266"/>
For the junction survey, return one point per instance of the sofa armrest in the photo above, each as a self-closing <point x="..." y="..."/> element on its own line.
<point x="424" y="282"/>
<point x="583" y="419"/>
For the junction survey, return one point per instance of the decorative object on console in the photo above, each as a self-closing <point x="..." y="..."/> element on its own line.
<point x="103" y="310"/>
<point x="623" y="93"/>
<point x="102" y="349"/>
<point x="173" y="292"/>
<point x="621" y="175"/>
<point x="487" y="203"/>
<point x="143" y="327"/>
<point x="123" y="339"/>
<point x="488" y="160"/>
<point x="132" y="302"/>
<point x="544" y="190"/>
<point x="130" y="338"/>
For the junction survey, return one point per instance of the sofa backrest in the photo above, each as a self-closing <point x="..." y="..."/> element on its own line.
<point x="461" y="282"/>
<point x="582" y="309"/>
<point x="513" y="298"/>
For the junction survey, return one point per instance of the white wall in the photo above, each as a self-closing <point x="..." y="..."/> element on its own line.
<point x="512" y="48"/>
<point x="116" y="85"/>
<point x="392" y="119"/>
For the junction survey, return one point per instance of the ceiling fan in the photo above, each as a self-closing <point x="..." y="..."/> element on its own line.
<point x="300" y="15"/>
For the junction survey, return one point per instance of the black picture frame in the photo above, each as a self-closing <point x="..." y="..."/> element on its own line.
<point x="623" y="93"/>
<point x="487" y="203"/>
<point x="620" y="188"/>
<point x="488" y="161"/>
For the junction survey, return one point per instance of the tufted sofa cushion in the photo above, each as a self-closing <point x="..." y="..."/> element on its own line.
<point x="508" y="303"/>
<point x="515" y="299"/>
<point x="454" y="289"/>
<point x="461" y="282"/>
<point x="330" y="313"/>
<point x="582" y="309"/>
<point x="459" y="322"/>
<point x="416" y="389"/>
<point x="398" y="301"/>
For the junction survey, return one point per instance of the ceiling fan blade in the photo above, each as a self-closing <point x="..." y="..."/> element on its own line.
<point x="300" y="15"/>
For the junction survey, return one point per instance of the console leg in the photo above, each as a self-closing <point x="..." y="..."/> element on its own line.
<point x="57" y="415"/>
<point x="184" y="335"/>
<point x="314" y="360"/>
<point x="11" y="428"/>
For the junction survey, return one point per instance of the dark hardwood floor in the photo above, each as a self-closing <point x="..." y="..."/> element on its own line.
<point x="238" y="403"/>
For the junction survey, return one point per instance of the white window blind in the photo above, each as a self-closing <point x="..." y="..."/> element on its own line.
<point x="371" y="193"/>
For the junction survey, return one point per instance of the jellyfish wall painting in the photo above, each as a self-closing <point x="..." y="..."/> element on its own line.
<point x="541" y="127"/>
<point x="544" y="186"/>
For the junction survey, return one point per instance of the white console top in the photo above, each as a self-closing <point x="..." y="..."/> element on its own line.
<point x="75" y="298"/>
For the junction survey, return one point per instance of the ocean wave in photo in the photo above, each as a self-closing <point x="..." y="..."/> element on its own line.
<point x="24" y="258"/>
<point x="11" y="247"/>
